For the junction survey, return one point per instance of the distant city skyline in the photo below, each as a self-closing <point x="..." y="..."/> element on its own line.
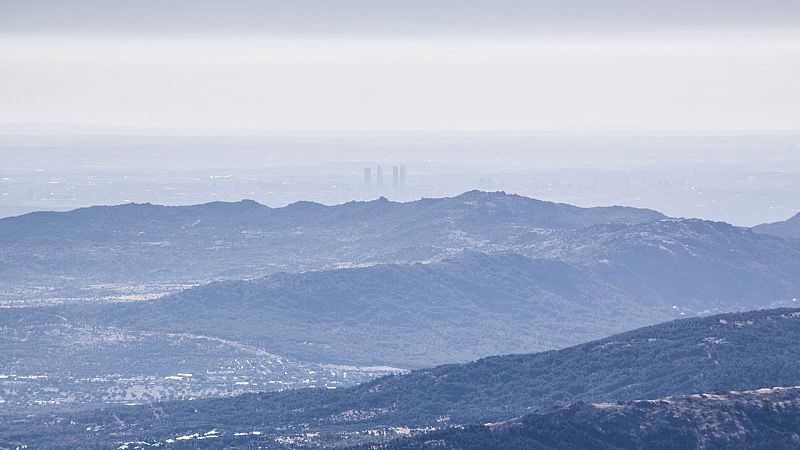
<point x="398" y="178"/>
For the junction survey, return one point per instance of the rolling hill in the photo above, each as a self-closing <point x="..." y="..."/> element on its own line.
<point x="417" y="315"/>
<point x="691" y="263"/>
<point x="766" y="418"/>
<point x="584" y="285"/>
<point x="144" y="243"/>
<point x="789" y="228"/>
<point x="726" y="352"/>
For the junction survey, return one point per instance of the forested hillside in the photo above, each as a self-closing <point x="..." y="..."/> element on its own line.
<point x="721" y="353"/>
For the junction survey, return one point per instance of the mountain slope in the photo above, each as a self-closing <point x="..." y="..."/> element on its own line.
<point x="763" y="419"/>
<point x="789" y="228"/>
<point x="585" y="284"/>
<point x="455" y="310"/>
<point x="720" y="353"/>
<point x="143" y="242"/>
<point x="691" y="263"/>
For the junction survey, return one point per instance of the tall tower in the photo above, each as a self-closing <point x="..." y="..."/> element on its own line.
<point x="379" y="177"/>
<point x="367" y="176"/>
<point x="403" y="176"/>
<point x="395" y="177"/>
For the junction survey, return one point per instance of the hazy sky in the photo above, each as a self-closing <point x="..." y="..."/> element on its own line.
<point x="413" y="64"/>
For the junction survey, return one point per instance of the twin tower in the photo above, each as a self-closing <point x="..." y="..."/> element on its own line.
<point x="398" y="177"/>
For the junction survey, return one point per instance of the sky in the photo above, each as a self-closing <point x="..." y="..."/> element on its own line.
<point x="533" y="65"/>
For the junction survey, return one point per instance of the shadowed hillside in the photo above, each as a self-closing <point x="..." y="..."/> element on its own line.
<point x="720" y="353"/>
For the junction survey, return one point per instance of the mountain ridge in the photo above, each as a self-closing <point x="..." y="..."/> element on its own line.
<point x="764" y="418"/>
<point x="726" y="352"/>
<point x="143" y="243"/>
<point x="418" y="314"/>
<point x="376" y="315"/>
<point x="787" y="229"/>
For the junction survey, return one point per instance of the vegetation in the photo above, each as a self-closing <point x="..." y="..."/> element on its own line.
<point x="149" y="243"/>
<point x="765" y="419"/>
<point x="405" y="316"/>
<point x="714" y="354"/>
<point x="789" y="228"/>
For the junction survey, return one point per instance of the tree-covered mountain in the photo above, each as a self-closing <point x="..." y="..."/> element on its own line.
<point x="766" y="418"/>
<point x="417" y="315"/>
<point x="594" y="282"/>
<point x="789" y="228"/>
<point x="713" y="354"/>
<point x="150" y="243"/>
<point x="577" y="285"/>
<point x="688" y="263"/>
<point x="495" y="280"/>
<point x="691" y="263"/>
<point x="584" y="285"/>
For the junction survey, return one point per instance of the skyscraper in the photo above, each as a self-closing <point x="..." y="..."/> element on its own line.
<point x="395" y="177"/>
<point x="379" y="177"/>
<point x="367" y="176"/>
<point x="402" y="176"/>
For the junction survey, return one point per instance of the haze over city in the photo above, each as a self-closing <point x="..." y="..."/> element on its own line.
<point x="385" y="225"/>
